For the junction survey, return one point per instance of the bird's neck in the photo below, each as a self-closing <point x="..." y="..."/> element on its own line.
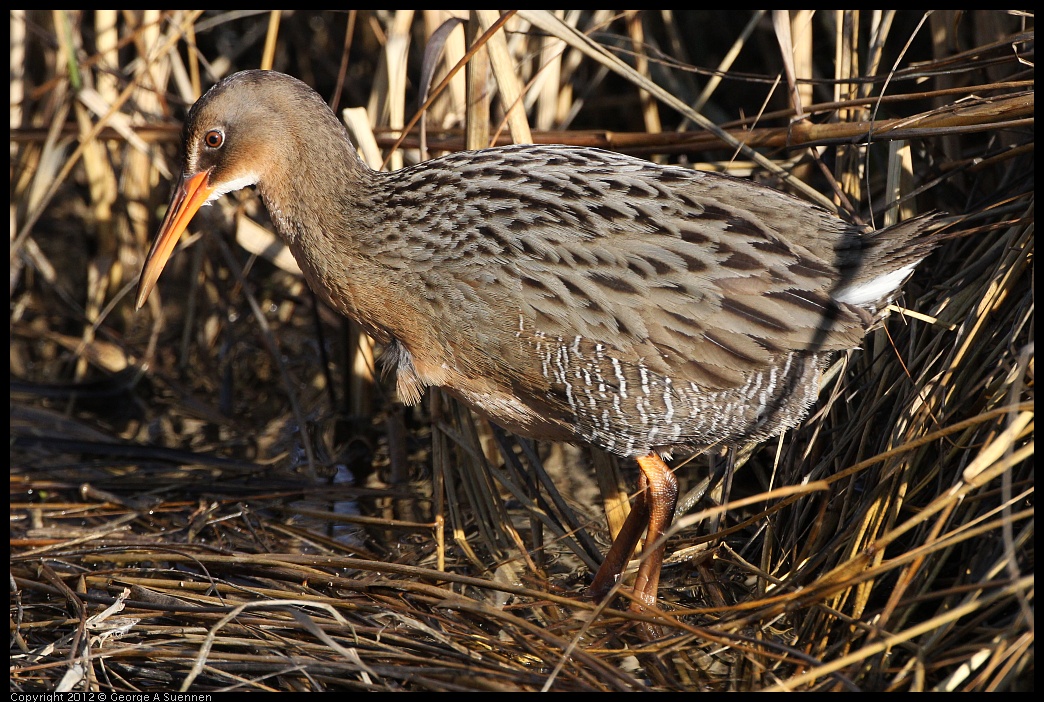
<point x="320" y="194"/>
<point x="324" y="212"/>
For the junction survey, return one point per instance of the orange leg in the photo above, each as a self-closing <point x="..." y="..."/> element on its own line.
<point x="652" y="512"/>
<point x="623" y="545"/>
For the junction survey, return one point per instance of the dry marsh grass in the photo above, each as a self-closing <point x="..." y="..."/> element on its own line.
<point x="215" y="493"/>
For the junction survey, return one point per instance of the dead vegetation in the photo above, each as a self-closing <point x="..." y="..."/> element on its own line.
<point x="213" y="494"/>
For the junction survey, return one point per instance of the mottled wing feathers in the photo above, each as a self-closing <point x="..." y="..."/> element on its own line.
<point x="653" y="263"/>
<point x="694" y="276"/>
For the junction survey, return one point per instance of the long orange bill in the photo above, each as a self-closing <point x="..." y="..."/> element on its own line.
<point x="184" y="203"/>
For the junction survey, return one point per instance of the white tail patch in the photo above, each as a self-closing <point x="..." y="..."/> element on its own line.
<point x="873" y="291"/>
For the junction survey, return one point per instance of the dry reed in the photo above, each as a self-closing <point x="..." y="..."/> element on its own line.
<point x="191" y="505"/>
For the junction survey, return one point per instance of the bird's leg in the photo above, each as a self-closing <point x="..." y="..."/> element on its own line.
<point x="662" y="497"/>
<point x="652" y="512"/>
<point x="623" y="545"/>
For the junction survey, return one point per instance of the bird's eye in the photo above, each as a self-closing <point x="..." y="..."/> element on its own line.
<point x="214" y="138"/>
